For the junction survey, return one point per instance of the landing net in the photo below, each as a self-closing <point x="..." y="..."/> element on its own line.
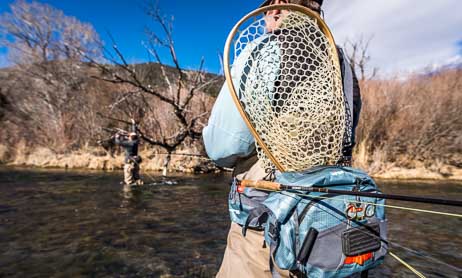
<point x="287" y="81"/>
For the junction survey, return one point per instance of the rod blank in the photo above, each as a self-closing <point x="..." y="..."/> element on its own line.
<point x="274" y="186"/>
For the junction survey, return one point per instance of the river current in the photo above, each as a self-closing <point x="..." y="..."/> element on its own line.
<point x="80" y="223"/>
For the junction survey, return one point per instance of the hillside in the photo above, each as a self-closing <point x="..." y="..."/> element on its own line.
<point x="408" y="129"/>
<point x="52" y="115"/>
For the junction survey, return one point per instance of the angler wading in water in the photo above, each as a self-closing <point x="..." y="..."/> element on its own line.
<point x="132" y="160"/>
<point x="285" y="121"/>
<point x="261" y="67"/>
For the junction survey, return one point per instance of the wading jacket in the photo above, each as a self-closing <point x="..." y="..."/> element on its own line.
<point x="130" y="147"/>
<point x="227" y="139"/>
<point x="229" y="142"/>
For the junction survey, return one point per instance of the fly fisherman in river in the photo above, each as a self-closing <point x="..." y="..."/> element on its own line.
<point x="229" y="143"/>
<point x="130" y="143"/>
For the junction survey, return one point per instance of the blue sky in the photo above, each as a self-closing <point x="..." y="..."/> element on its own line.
<point x="200" y="27"/>
<point x="407" y="35"/>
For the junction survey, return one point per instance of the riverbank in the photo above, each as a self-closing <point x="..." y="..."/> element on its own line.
<point x="381" y="165"/>
<point x="421" y="173"/>
<point x="185" y="162"/>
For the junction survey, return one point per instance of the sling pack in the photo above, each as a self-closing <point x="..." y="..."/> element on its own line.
<point x="319" y="235"/>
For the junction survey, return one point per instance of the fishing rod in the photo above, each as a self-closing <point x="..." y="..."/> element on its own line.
<point x="274" y="186"/>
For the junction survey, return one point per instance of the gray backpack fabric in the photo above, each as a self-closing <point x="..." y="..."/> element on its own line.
<point x="291" y="220"/>
<point x="310" y="233"/>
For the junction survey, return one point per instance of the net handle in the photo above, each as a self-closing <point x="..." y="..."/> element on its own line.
<point x="227" y="70"/>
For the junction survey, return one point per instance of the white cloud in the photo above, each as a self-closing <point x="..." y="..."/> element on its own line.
<point x="408" y="35"/>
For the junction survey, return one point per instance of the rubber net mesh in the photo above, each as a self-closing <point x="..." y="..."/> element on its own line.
<point x="291" y="90"/>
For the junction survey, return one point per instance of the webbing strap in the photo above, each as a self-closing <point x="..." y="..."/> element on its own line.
<point x="274" y="272"/>
<point x="257" y="216"/>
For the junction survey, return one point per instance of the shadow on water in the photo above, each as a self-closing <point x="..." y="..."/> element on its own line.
<point x="71" y="223"/>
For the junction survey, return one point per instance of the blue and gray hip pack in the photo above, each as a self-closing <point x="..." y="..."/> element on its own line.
<point x="316" y="234"/>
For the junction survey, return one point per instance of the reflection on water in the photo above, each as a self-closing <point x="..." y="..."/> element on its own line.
<point x="84" y="223"/>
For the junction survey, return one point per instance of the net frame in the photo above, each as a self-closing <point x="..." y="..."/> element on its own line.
<point x="227" y="66"/>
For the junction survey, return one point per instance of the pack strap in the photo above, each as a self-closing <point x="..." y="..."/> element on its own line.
<point x="273" y="270"/>
<point x="257" y="217"/>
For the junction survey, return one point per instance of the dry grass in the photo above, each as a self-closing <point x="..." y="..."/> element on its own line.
<point x="412" y="124"/>
<point x="409" y="128"/>
<point x="94" y="158"/>
<point x="4" y="153"/>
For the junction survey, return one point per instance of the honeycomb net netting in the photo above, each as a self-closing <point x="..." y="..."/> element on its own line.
<point x="290" y="87"/>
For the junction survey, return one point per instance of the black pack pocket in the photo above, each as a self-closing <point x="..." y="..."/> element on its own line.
<point x="361" y="240"/>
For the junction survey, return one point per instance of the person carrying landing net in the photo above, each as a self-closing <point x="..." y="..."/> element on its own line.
<point x="230" y="143"/>
<point x="132" y="159"/>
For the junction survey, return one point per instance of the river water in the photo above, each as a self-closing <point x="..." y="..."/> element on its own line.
<point x="79" y="223"/>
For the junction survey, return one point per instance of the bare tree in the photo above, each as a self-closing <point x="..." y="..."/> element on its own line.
<point x="38" y="33"/>
<point x="358" y="55"/>
<point x="55" y="102"/>
<point x="169" y="103"/>
<point x="49" y="50"/>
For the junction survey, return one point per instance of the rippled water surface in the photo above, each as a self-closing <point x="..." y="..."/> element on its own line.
<point x="72" y="223"/>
